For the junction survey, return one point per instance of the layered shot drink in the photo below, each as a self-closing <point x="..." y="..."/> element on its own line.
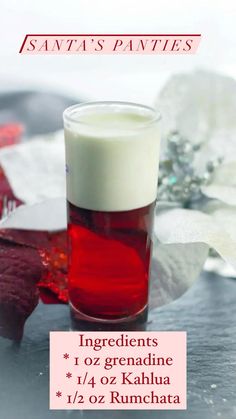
<point x="112" y="155"/>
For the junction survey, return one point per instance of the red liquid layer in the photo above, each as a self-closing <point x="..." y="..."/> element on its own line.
<point x="109" y="256"/>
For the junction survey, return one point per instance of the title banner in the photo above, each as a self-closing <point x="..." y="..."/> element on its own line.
<point x="110" y="44"/>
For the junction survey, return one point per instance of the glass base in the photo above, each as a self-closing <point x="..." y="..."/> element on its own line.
<point x="81" y="321"/>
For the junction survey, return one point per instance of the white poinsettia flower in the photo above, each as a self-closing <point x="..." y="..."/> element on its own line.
<point x="201" y="106"/>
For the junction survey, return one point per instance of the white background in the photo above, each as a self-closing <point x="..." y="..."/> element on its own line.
<point x="113" y="77"/>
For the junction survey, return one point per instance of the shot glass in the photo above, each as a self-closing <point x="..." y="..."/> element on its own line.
<point x="112" y="157"/>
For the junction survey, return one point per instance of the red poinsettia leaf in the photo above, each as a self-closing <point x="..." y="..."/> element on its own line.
<point x="36" y="239"/>
<point x="20" y="270"/>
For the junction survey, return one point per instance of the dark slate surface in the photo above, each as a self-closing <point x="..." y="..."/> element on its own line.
<point x="39" y="112"/>
<point x="207" y="312"/>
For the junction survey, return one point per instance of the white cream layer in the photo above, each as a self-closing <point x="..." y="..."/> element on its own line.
<point x="112" y="161"/>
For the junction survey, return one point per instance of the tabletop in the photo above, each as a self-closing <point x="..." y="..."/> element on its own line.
<point x="207" y="312"/>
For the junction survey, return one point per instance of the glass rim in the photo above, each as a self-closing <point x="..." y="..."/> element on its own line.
<point x="68" y="114"/>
